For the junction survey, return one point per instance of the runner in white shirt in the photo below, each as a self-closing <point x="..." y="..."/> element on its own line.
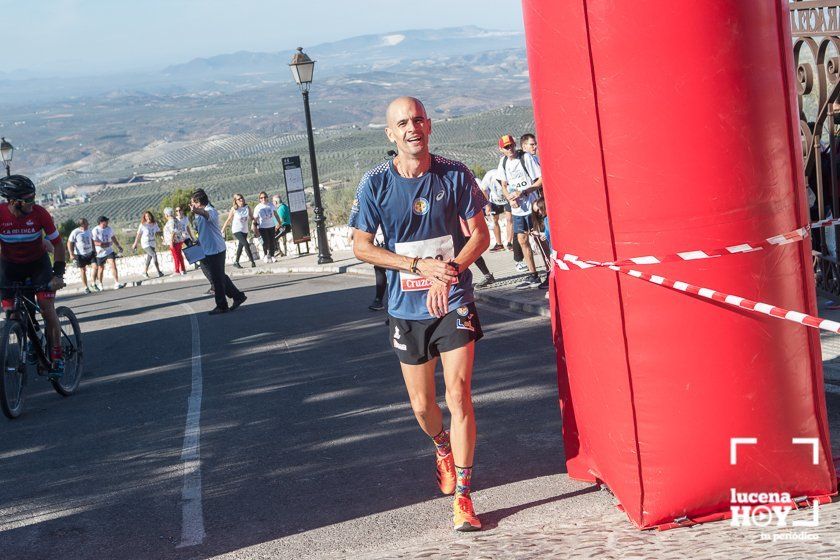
<point x="265" y="226"/>
<point x="521" y="178"/>
<point x="240" y="220"/>
<point x="80" y="247"/>
<point x="104" y="241"/>
<point x="146" y="236"/>
<point x="491" y="186"/>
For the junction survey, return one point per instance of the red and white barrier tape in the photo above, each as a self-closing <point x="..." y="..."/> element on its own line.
<point x="714" y="295"/>
<point x="783" y="239"/>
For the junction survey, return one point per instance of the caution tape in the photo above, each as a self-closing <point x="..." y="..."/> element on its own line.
<point x="782" y="239"/>
<point x="720" y="297"/>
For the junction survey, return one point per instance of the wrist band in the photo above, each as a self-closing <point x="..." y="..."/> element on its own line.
<point x="413" y="268"/>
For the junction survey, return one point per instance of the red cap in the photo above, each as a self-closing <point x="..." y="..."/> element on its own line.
<point x="506" y="140"/>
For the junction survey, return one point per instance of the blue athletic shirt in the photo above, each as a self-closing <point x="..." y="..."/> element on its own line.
<point x="419" y="217"/>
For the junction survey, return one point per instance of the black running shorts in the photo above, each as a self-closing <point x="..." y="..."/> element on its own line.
<point x="417" y="342"/>
<point x="497" y="209"/>
<point x="84" y="260"/>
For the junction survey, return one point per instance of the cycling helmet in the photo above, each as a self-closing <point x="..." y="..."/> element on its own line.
<point x="17" y="187"/>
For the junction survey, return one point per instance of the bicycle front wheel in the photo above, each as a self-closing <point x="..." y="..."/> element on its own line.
<point x="71" y="348"/>
<point x="13" y="373"/>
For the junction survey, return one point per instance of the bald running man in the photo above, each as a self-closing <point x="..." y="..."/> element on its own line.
<point x="419" y="200"/>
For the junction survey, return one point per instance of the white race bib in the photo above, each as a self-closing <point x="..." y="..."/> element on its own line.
<point x="441" y="248"/>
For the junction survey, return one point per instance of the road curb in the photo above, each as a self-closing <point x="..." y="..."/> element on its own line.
<point x="520" y="306"/>
<point x="355" y="268"/>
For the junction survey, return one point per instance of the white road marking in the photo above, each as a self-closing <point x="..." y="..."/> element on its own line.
<point x="192" y="509"/>
<point x="192" y="516"/>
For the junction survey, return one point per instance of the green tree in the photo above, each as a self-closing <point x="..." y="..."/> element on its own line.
<point x="178" y="197"/>
<point x="66" y="227"/>
<point x="478" y="171"/>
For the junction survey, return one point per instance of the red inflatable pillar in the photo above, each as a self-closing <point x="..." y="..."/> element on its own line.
<point x="666" y="127"/>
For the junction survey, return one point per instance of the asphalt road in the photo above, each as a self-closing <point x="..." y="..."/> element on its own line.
<point x="307" y="444"/>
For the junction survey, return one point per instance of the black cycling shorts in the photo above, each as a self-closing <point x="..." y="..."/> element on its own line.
<point x="38" y="272"/>
<point x="417" y="342"/>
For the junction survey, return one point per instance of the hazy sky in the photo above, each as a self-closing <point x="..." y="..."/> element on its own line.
<point x="80" y="36"/>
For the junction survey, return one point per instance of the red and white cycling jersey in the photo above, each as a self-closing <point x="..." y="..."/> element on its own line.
<point x="20" y="238"/>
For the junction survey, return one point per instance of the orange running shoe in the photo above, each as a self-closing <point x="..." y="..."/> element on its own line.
<point x="465" y="518"/>
<point x="446" y="473"/>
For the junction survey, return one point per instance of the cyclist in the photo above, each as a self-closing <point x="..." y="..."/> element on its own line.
<point x="23" y="256"/>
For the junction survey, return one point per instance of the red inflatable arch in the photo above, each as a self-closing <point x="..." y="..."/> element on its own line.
<point x="665" y="127"/>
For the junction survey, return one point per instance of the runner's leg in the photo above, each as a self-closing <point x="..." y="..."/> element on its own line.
<point x="420" y="383"/>
<point x="114" y="270"/>
<point x="83" y="274"/>
<point x="240" y="244"/>
<point x="457" y="374"/>
<point x="509" y="223"/>
<point x="381" y="282"/>
<point x="527" y="254"/>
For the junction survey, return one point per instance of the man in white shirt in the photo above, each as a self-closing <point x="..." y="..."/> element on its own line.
<point x="104" y="241"/>
<point x="213" y="263"/>
<point x="80" y="247"/>
<point x="521" y="178"/>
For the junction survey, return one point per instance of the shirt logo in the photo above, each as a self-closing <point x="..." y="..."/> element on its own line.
<point x="420" y="206"/>
<point x="439" y="195"/>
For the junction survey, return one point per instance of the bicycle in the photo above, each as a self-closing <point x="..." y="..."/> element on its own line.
<point x="23" y="345"/>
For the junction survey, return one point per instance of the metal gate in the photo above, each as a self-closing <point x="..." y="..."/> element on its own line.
<point x="815" y="26"/>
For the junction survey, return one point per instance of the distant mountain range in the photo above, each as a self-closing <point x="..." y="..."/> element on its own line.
<point x="236" y="71"/>
<point x="456" y="71"/>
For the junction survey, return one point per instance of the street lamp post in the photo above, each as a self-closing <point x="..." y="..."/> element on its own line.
<point x="302" y="69"/>
<point x="6" y="152"/>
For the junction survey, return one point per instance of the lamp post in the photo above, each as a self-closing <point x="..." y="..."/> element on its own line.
<point x="302" y="68"/>
<point x="6" y="152"/>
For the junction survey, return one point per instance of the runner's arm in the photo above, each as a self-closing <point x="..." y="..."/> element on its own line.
<point x="365" y="250"/>
<point x="229" y="218"/>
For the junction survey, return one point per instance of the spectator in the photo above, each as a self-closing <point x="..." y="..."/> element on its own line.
<point x="521" y="178"/>
<point x="543" y="236"/>
<point x="285" y="221"/>
<point x="104" y="240"/>
<point x="240" y="219"/>
<point x="80" y="246"/>
<point x="174" y="238"/>
<point x="265" y="226"/>
<point x="529" y="145"/>
<point x="213" y="243"/>
<point x="491" y="186"/>
<point x="378" y="271"/>
<point x="147" y="234"/>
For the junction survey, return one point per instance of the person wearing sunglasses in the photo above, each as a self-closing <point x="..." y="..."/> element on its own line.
<point x="240" y="220"/>
<point x="23" y="227"/>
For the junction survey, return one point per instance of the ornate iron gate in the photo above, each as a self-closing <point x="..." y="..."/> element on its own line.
<point x="815" y="26"/>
